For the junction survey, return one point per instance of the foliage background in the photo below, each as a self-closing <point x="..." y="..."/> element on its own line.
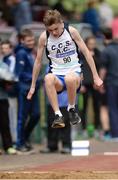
<point x="81" y="4"/>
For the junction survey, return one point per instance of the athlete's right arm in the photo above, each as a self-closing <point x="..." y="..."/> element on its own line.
<point x="37" y="64"/>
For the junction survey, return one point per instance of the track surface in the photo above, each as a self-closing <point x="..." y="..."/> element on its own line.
<point x="58" y="166"/>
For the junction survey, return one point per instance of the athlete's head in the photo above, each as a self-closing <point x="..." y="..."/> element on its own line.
<point x="53" y="22"/>
<point x="27" y="38"/>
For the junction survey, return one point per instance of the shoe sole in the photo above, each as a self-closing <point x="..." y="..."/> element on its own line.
<point x="77" y="122"/>
<point x="61" y="125"/>
<point x="26" y="152"/>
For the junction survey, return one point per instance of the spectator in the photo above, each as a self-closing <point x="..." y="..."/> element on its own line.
<point x="5" y="78"/>
<point x="9" y="59"/>
<point x="5" y="14"/>
<point x="115" y="27"/>
<point x="110" y="74"/>
<point x="91" y="17"/>
<point x="104" y="115"/>
<point x="59" y="6"/>
<point x="21" y="12"/>
<point x="87" y="88"/>
<point x="3" y="23"/>
<point x="106" y="14"/>
<point x="26" y="108"/>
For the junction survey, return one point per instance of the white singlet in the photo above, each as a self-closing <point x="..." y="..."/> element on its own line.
<point x="63" y="54"/>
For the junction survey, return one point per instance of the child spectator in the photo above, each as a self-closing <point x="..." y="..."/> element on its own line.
<point x="9" y="59"/>
<point x="5" y="78"/>
<point x="28" y="110"/>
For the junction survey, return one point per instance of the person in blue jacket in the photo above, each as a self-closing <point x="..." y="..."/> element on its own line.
<point x="28" y="110"/>
<point x="91" y="16"/>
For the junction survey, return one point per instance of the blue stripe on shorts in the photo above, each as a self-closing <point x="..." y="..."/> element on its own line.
<point x="61" y="78"/>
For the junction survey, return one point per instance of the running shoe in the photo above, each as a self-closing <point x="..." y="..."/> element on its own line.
<point x="58" y="122"/>
<point x="74" y="117"/>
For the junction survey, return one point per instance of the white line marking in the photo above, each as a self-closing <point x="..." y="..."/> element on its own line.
<point x="111" y="153"/>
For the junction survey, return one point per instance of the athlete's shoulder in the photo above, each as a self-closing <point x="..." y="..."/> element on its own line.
<point x="74" y="32"/>
<point x="42" y="38"/>
<point x="72" y="29"/>
<point x="43" y="35"/>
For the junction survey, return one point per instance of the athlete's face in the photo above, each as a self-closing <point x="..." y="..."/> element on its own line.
<point x="55" y="29"/>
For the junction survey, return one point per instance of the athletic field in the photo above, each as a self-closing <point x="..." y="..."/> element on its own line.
<point x="101" y="163"/>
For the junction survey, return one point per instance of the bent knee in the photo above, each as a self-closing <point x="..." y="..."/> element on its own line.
<point x="49" y="79"/>
<point x="71" y="77"/>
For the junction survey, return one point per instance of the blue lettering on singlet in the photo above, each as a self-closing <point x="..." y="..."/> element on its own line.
<point x="65" y="54"/>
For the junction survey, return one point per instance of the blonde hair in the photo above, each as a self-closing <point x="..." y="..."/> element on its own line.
<point x="52" y="17"/>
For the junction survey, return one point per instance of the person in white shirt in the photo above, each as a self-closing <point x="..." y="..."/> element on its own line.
<point x="62" y="43"/>
<point x="106" y="14"/>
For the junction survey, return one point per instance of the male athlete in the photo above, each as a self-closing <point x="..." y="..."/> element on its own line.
<point x="62" y="44"/>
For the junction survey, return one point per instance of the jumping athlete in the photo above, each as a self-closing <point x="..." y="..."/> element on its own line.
<point x="62" y="43"/>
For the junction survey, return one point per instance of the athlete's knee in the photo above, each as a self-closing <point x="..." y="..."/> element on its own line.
<point x="70" y="78"/>
<point x="49" y="79"/>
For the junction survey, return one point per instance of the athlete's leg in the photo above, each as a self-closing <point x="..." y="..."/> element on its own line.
<point x="72" y="81"/>
<point x="53" y="85"/>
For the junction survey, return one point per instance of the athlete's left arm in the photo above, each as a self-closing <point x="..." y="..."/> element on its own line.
<point x="83" y="48"/>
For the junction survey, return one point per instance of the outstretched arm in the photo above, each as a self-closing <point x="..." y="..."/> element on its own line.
<point x="83" y="48"/>
<point x="37" y="64"/>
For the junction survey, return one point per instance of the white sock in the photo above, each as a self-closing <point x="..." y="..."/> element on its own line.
<point x="70" y="106"/>
<point x="58" y="113"/>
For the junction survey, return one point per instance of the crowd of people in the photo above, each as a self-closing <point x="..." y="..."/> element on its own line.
<point x="17" y="13"/>
<point x="21" y="114"/>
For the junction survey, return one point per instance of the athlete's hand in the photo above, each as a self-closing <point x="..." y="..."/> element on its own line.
<point x="98" y="82"/>
<point x="30" y="93"/>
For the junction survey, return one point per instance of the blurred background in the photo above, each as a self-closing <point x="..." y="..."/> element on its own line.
<point x="92" y="18"/>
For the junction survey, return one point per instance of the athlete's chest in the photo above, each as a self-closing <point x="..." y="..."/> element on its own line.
<point x="61" y="45"/>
